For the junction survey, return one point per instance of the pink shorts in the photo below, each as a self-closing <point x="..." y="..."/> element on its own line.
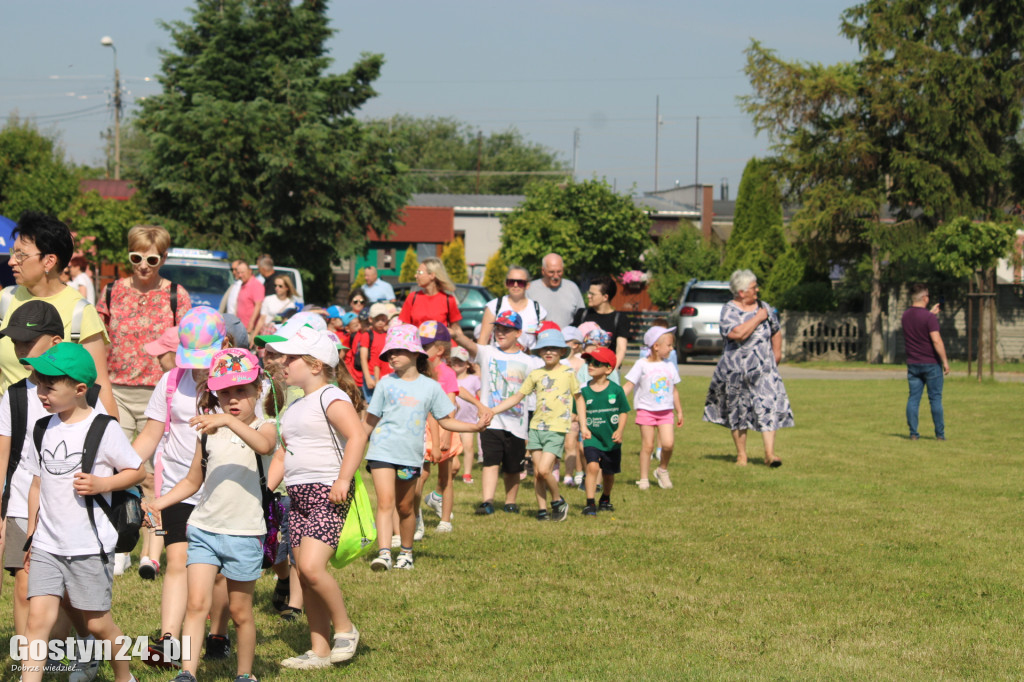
<point x="653" y="418"/>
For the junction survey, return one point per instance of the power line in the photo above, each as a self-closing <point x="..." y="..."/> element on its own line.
<point x="71" y="113"/>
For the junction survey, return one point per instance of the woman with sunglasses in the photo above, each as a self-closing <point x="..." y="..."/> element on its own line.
<point x="531" y="312"/>
<point x="357" y="300"/>
<point x="137" y="309"/>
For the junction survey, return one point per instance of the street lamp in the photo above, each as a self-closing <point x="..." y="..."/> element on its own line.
<point x="107" y="41"/>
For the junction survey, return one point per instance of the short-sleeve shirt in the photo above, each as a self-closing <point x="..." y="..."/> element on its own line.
<point x="440" y="307"/>
<point x="63" y="526"/>
<point x="379" y="291"/>
<point x="373" y="342"/>
<point x="532" y="315"/>
<point x="179" y="448"/>
<point x="448" y="379"/>
<point x="467" y="411"/>
<point x="502" y="375"/>
<point x="654" y="383"/>
<point x="12" y="371"/>
<point x="137" y="319"/>
<point x="918" y="324"/>
<point x="561" y="303"/>
<point x="352" y="356"/>
<point x="402" y="407"/>
<point x="555" y="389"/>
<point x="604" y="409"/>
<point x="232" y="500"/>
<point x="250" y="295"/>
<point x="311" y="455"/>
<point x="616" y="323"/>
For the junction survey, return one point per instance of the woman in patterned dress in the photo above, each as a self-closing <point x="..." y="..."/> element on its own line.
<point x="746" y="390"/>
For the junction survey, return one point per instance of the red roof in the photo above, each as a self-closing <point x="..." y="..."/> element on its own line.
<point x="109" y="189"/>
<point x="421" y="224"/>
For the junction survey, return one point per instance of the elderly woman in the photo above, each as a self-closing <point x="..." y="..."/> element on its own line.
<point x="746" y="390"/>
<point x="531" y="312"/>
<point x="436" y="298"/>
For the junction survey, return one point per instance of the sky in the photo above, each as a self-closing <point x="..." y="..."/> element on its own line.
<point x="548" y="68"/>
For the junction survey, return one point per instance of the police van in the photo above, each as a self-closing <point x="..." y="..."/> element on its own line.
<point x="206" y="275"/>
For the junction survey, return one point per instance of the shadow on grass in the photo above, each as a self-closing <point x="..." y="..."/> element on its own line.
<point x="720" y="458"/>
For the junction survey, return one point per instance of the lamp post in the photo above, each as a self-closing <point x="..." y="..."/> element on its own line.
<point x="107" y="41"/>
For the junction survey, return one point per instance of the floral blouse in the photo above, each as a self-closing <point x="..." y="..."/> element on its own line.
<point x="137" y="319"/>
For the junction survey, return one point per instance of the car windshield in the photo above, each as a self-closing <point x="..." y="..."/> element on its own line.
<point x="698" y="295"/>
<point x="470" y="298"/>
<point x="198" y="278"/>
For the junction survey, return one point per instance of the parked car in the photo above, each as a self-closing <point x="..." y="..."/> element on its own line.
<point x="472" y="301"/>
<point x="697" y="316"/>
<point x="206" y="275"/>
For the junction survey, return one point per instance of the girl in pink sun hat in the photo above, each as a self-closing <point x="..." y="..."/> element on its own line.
<point x="397" y="417"/>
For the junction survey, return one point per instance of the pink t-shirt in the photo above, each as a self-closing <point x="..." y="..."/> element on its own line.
<point x="250" y="297"/>
<point x="447" y="378"/>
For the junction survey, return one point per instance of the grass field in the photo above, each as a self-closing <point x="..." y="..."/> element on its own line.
<point x="957" y="367"/>
<point x="865" y="557"/>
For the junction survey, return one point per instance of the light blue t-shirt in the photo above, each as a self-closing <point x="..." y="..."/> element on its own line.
<point x="379" y="291"/>
<point x="403" y="407"/>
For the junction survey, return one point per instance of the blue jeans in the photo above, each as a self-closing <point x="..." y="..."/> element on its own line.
<point x="919" y="376"/>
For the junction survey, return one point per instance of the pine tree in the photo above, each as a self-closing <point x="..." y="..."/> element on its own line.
<point x="757" y="240"/>
<point x="454" y="258"/>
<point x="494" y="274"/>
<point x="409" y="266"/>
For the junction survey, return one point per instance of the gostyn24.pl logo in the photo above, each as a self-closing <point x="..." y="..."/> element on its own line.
<point x="123" y="648"/>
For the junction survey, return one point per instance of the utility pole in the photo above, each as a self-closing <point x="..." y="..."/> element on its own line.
<point x="575" y="150"/>
<point x="696" y="167"/>
<point x="657" y="133"/>
<point x="107" y="41"/>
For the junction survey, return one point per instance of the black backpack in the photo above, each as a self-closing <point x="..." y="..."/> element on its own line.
<point x="125" y="509"/>
<point x="19" y="429"/>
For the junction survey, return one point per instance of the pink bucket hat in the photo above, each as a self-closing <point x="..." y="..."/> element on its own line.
<point x="167" y="343"/>
<point x="402" y="337"/>
<point x="232" y="367"/>
<point x="201" y="334"/>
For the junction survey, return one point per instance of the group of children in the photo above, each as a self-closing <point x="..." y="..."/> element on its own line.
<point x="229" y="430"/>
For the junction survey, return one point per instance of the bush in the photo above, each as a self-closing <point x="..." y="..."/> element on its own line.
<point x="454" y="258"/>
<point x="811" y="297"/>
<point x="409" y="266"/>
<point x="680" y="256"/>
<point x="494" y="274"/>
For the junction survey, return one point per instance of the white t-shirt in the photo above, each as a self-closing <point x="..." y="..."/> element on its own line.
<point x="84" y="280"/>
<point x="17" y="505"/>
<point x="63" y="526"/>
<point x="232" y="501"/>
<point x="654" y="383"/>
<point x="179" y="449"/>
<point x="231" y="304"/>
<point x="531" y="321"/>
<point x="502" y="375"/>
<point x="272" y="305"/>
<point x="310" y="454"/>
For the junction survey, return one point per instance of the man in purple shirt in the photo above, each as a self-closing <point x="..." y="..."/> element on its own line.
<point x="926" y="359"/>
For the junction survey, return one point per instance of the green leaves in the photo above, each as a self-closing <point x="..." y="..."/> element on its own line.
<point x="962" y="246"/>
<point x="33" y="173"/>
<point x="680" y="256"/>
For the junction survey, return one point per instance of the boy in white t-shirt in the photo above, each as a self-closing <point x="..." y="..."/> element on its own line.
<point x="68" y="552"/>
<point x="655" y="380"/>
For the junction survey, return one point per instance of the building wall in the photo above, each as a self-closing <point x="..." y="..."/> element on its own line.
<point x="483" y="236"/>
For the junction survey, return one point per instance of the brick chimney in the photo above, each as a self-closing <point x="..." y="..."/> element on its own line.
<point x="707" y="212"/>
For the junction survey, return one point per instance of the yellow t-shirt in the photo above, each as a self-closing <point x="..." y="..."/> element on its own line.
<point x="12" y="371"/>
<point x="555" y="390"/>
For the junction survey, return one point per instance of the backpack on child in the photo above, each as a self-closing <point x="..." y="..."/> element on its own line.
<point x="125" y="509"/>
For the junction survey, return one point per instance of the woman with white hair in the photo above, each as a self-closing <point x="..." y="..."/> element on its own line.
<point x="746" y="390"/>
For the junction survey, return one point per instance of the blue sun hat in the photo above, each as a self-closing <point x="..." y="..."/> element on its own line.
<point x="550" y="338"/>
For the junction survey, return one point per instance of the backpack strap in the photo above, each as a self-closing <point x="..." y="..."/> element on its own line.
<point x="92" y="396"/>
<point x="37" y="435"/>
<point x="19" y="429"/>
<point x="174" y="302"/>
<point x="5" y="300"/>
<point x="92" y="445"/>
<point x="450" y="299"/>
<point x="108" y="291"/>
<point x="76" y="320"/>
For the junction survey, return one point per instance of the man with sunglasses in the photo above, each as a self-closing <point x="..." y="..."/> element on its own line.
<point x="560" y="297"/>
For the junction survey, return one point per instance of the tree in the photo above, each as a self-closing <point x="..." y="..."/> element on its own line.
<point x="106" y="221"/>
<point x="680" y="256"/>
<point x="254" y="148"/>
<point x="494" y="274"/>
<point x="449" y="156"/>
<point x="33" y="172"/>
<point x="410" y="265"/>
<point x="594" y="229"/>
<point x="454" y="258"/>
<point x="757" y="240"/>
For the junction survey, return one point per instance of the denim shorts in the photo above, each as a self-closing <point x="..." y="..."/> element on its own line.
<point x="240" y="557"/>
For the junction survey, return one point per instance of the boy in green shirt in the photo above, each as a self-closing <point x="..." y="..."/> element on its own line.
<point x="607" y="409"/>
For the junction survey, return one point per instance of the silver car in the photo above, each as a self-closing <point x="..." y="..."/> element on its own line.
<point x="696" y="318"/>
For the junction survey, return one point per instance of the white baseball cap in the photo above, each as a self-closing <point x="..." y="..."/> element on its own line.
<point x="652" y="335"/>
<point x="308" y="341"/>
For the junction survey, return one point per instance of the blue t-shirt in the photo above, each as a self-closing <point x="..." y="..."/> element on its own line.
<point x="403" y="407"/>
<point x="379" y="291"/>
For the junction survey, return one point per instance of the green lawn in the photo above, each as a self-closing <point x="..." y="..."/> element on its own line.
<point x="866" y="556"/>
<point x="956" y="367"/>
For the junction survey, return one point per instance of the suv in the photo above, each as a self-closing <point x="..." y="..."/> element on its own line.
<point x="697" y="317"/>
<point x="206" y="275"/>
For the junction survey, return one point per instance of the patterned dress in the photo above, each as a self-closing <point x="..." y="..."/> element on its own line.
<point x="746" y="390"/>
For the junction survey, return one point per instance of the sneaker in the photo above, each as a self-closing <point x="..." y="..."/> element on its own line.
<point x="662" y="477"/>
<point x="148" y="569"/>
<point x="559" y="510"/>
<point x="467" y="478"/>
<point x="510" y="509"/>
<point x="345" y="644"/>
<point x="290" y="613"/>
<point x="122" y="562"/>
<point x="396" y="541"/>
<point x="248" y="677"/>
<point x="184" y="676"/>
<point x="218" y="647"/>
<point x="282" y="593"/>
<point x="433" y="502"/>
<point x="404" y="561"/>
<point x="643" y="485"/>
<point x="84" y="671"/>
<point x="307" y="661"/>
<point x="484" y="508"/>
<point x="156" y="656"/>
<point x="568" y="480"/>
<point x="381" y="562"/>
<point x="606" y="505"/>
<point x="590" y="510"/>
<point x="656" y="455"/>
<point x="577" y="480"/>
<point x="543" y="515"/>
<point x="444" y="527"/>
<point x="420" y="529"/>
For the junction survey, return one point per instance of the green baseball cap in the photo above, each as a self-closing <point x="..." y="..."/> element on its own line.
<point x="65" y="359"/>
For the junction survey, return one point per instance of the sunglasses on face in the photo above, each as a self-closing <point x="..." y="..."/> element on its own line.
<point x="136" y="258"/>
<point x="515" y="282"/>
<point x="358" y="301"/>
<point x="595" y="363"/>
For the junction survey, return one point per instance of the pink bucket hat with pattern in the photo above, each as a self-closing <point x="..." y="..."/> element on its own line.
<point x="201" y="334"/>
<point x="402" y="337"/>
<point x="233" y="367"/>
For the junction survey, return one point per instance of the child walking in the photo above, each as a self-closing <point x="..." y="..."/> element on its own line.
<point x="323" y="445"/>
<point x="657" y="397"/>
<point x="72" y="550"/>
<point x="469" y="387"/>
<point x="556" y="388"/>
<point x="397" y="417"/>
<point x="226" y="528"/>
<point x="607" y="410"/>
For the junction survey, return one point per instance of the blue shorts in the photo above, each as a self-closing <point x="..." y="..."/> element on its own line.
<point x="240" y="557"/>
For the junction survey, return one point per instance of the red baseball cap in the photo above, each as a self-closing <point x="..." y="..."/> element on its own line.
<point x="548" y="324"/>
<point x="602" y="354"/>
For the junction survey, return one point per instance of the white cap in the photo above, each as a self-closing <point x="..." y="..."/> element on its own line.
<point x="652" y="335"/>
<point x="307" y="341"/>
